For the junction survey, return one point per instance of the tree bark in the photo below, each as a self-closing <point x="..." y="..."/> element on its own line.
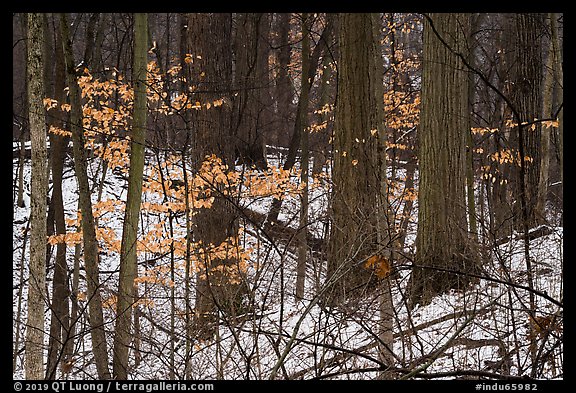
<point x="499" y="191"/>
<point x="559" y="76"/>
<point x="547" y="112"/>
<point x="95" y="313"/>
<point x="91" y="44"/>
<point x="22" y="134"/>
<point x="408" y="204"/>
<point x="128" y="251"/>
<point x="326" y="99"/>
<point x="283" y="89"/>
<point x="34" y="361"/>
<point x="60" y="318"/>
<point x="470" y="196"/>
<point x="384" y="216"/>
<point x="442" y="240"/>
<point x="252" y="105"/>
<point x="210" y="35"/>
<point x="304" y="163"/>
<point x="356" y="175"/>
<point x="526" y="99"/>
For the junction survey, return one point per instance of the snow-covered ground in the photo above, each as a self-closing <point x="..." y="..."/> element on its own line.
<point x="484" y="330"/>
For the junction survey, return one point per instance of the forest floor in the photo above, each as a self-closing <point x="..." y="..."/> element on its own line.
<point x="481" y="332"/>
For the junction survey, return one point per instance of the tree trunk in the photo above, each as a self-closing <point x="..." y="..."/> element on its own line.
<point x="283" y="89"/>
<point x="21" y="159"/>
<point x="95" y="313"/>
<point x="75" y="306"/>
<point x="384" y="216"/>
<point x="408" y="204"/>
<point x="444" y="253"/>
<point x="526" y="99"/>
<point x="356" y="175"/>
<point x="22" y="134"/>
<point x="547" y="112"/>
<point x="302" y="106"/>
<point x="89" y="40"/>
<point x="559" y="76"/>
<point x="304" y="163"/>
<point x="210" y="35"/>
<point x="470" y="197"/>
<point x="60" y="318"/>
<point x="20" y="98"/>
<point x="34" y="365"/>
<point x="321" y="139"/>
<point x="499" y="191"/>
<point x="527" y="109"/>
<point x="128" y="252"/>
<point x="252" y="104"/>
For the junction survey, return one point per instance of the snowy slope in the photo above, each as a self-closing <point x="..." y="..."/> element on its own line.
<point x="484" y="329"/>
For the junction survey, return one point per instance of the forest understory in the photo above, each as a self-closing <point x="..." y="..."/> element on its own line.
<point x="481" y="332"/>
<point x="288" y="196"/>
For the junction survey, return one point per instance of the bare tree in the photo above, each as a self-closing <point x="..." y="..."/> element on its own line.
<point x="96" y="316"/>
<point x="526" y="97"/>
<point x="304" y="163"/>
<point x="302" y="107"/>
<point x="444" y="253"/>
<point x="210" y="35"/>
<point x="252" y="106"/>
<point x="128" y="252"/>
<point x="357" y="225"/>
<point x="59" y="344"/>
<point x="39" y="188"/>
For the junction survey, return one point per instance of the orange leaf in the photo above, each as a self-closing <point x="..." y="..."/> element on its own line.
<point x="380" y="265"/>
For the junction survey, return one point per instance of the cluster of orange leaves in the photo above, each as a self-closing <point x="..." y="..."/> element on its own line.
<point x="544" y="324"/>
<point x="106" y="109"/>
<point x="168" y="105"/>
<point x="505" y="156"/>
<point x="214" y="178"/>
<point x="402" y="109"/>
<point x="205" y="256"/>
<point x="155" y="275"/>
<point x="379" y="265"/>
<point x="105" y="234"/>
<point x="168" y="192"/>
